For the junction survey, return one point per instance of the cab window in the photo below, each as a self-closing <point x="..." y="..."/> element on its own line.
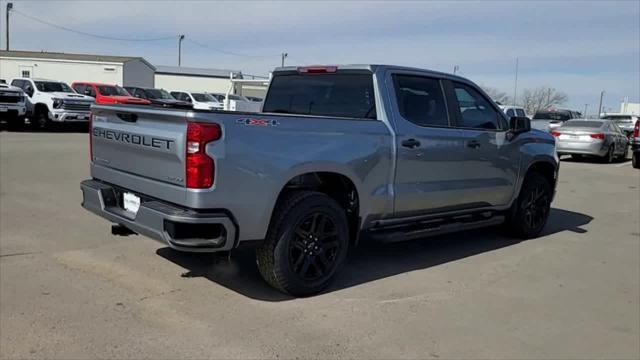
<point x="475" y="111"/>
<point x="420" y="100"/>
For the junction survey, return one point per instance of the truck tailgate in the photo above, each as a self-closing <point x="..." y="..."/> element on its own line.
<point x="141" y="141"/>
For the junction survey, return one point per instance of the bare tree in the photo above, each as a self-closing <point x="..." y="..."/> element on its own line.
<point x="542" y="98"/>
<point x="497" y="95"/>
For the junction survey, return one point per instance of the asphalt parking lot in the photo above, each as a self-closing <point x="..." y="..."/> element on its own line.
<point x="68" y="289"/>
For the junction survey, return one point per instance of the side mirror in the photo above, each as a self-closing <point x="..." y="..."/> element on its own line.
<point x="29" y="90"/>
<point x="519" y="124"/>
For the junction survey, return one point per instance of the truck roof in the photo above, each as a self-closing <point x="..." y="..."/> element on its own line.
<point x="376" y="67"/>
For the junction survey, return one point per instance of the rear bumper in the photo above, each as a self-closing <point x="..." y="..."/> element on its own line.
<point x="180" y="228"/>
<point x="584" y="148"/>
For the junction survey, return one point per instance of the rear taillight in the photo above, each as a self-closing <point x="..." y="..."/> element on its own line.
<point x="199" y="167"/>
<point x="556" y="133"/>
<point x="636" y="129"/>
<point x="597" y="136"/>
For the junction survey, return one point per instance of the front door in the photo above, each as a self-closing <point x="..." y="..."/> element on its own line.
<point x="490" y="158"/>
<point x="429" y="172"/>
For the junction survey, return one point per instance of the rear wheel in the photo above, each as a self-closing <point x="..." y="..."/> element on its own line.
<point x="635" y="161"/>
<point x="306" y="243"/>
<point x="530" y="211"/>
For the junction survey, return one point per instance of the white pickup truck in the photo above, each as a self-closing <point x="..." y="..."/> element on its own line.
<point x="13" y="105"/>
<point x="53" y="101"/>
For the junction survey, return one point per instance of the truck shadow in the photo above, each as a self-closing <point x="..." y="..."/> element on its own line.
<point x="367" y="262"/>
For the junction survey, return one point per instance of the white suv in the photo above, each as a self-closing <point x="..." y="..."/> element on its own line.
<point x="51" y="100"/>
<point x="13" y="105"/>
<point x="199" y="100"/>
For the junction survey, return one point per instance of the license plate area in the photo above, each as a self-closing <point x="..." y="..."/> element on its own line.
<point x="130" y="202"/>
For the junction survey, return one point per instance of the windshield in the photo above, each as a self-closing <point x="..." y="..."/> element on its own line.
<point x="582" y="124"/>
<point x="341" y="95"/>
<point x="203" y="97"/>
<point x="52" y="86"/>
<point x="112" y="90"/>
<point x="158" y="94"/>
<point x="552" y="115"/>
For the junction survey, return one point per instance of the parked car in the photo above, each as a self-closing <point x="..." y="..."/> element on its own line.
<point x="635" y="145"/>
<point x="548" y="120"/>
<point x="199" y="100"/>
<point x="13" y="105"/>
<point x="512" y="111"/>
<point x="601" y="138"/>
<point x="254" y="98"/>
<point x="53" y="101"/>
<point x="324" y="166"/>
<point x="107" y="93"/>
<point x="625" y="122"/>
<point x="159" y="97"/>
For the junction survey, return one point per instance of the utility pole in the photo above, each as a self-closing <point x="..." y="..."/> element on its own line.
<point x="455" y="69"/>
<point x="180" y="38"/>
<point x="284" y="56"/>
<point x="515" y="86"/>
<point x="600" y="106"/>
<point x="9" y="7"/>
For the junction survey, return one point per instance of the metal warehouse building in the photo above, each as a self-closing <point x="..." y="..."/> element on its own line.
<point x="121" y="70"/>
<point x="195" y="79"/>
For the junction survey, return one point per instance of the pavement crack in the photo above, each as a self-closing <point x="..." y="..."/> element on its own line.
<point x="21" y="254"/>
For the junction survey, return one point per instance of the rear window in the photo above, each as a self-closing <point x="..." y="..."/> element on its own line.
<point x="339" y="95"/>
<point x="584" y="124"/>
<point x="552" y="115"/>
<point x="617" y="117"/>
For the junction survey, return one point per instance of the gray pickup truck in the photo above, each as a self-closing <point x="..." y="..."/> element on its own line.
<point x="340" y="154"/>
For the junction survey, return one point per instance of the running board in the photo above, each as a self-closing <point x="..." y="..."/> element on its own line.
<point x="417" y="231"/>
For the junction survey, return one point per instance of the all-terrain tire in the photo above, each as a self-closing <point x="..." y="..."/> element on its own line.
<point x="276" y="257"/>
<point x="530" y="212"/>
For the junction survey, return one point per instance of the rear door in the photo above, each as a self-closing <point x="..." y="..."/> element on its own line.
<point x="490" y="161"/>
<point x="428" y="173"/>
<point x="147" y="143"/>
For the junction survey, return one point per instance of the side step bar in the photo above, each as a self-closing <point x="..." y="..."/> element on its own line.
<point x="417" y="231"/>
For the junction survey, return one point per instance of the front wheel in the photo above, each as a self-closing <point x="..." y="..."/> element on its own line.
<point x="530" y="211"/>
<point x="306" y="243"/>
<point x="610" y="156"/>
<point x="40" y="121"/>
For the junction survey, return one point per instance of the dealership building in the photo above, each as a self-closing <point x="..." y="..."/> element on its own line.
<point x="120" y="70"/>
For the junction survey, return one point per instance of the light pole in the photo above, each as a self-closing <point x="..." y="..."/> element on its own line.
<point x="600" y="106"/>
<point x="585" y="111"/>
<point x="9" y="7"/>
<point x="284" y="56"/>
<point x="455" y="69"/>
<point x="180" y="38"/>
<point x="515" y="86"/>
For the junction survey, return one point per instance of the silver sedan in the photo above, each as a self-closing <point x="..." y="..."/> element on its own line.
<point x="602" y="138"/>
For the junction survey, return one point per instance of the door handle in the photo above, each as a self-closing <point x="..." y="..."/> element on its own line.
<point x="473" y="144"/>
<point x="411" y="143"/>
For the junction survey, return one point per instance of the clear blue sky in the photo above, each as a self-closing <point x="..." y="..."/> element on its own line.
<point x="577" y="47"/>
